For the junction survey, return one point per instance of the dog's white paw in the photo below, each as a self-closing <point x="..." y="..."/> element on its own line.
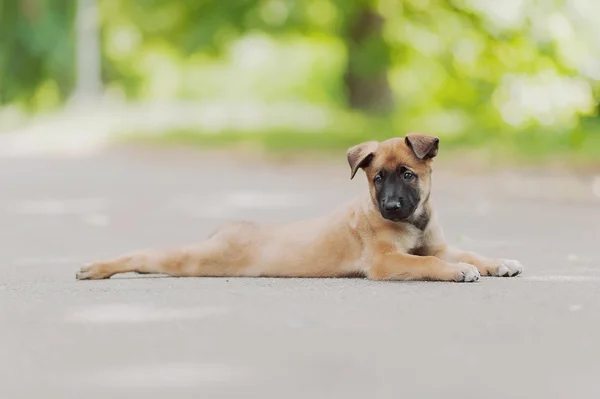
<point x="466" y="273"/>
<point x="507" y="268"/>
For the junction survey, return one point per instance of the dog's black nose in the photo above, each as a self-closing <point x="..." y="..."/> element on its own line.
<point x="392" y="206"/>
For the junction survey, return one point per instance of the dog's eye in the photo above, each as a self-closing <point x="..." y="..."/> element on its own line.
<point x="408" y="175"/>
<point x="377" y="178"/>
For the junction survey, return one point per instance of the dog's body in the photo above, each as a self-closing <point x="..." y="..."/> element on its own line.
<point x="390" y="233"/>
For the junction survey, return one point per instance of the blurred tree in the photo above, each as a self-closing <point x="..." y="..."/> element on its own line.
<point x="368" y="62"/>
<point x="210" y="25"/>
<point x="36" y="50"/>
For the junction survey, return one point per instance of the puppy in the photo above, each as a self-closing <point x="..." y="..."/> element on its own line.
<point x="388" y="233"/>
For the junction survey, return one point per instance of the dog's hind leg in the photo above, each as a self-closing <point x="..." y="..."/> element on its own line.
<point x="209" y="258"/>
<point x="227" y="252"/>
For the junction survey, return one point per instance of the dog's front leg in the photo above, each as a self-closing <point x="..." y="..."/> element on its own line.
<point x="400" y="266"/>
<point x="486" y="266"/>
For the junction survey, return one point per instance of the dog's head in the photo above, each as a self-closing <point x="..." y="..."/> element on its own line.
<point x="399" y="172"/>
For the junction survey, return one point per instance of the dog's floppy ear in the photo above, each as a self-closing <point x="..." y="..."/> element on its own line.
<point x="424" y="146"/>
<point x="361" y="155"/>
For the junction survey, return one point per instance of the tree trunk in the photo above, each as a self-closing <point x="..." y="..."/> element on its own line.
<point x="366" y="79"/>
<point x="88" y="53"/>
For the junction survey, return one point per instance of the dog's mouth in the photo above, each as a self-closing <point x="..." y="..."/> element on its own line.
<point x="400" y="215"/>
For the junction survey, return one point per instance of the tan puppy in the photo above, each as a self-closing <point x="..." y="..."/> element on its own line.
<point x="389" y="233"/>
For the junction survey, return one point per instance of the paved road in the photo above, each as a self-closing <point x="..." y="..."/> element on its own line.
<point x="537" y="335"/>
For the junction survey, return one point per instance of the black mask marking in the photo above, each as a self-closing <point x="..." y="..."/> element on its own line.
<point x="397" y="193"/>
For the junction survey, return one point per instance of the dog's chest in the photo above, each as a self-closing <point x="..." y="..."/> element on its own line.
<point x="408" y="239"/>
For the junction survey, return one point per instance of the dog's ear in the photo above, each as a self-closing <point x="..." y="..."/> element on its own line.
<point x="361" y="155"/>
<point x="424" y="146"/>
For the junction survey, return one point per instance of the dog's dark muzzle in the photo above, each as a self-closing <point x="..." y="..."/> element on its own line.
<point x="396" y="210"/>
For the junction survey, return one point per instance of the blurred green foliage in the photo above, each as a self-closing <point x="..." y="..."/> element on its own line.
<point x="443" y="66"/>
<point x="36" y="51"/>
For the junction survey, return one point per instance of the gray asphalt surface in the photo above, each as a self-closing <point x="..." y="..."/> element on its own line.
<point x="533" y="336"/>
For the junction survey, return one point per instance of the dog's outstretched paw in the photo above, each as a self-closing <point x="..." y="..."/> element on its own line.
<point x="510" y="268"/>
<point x="466" y="273"/>
<point x="93" y="271"/>
<point x="506" y="268"/>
